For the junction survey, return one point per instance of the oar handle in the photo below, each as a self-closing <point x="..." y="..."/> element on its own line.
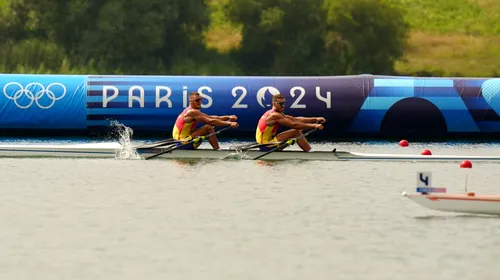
<point x="292" y="141"/>
<point x="210" y="135"/>
<point x="307" y="133"/>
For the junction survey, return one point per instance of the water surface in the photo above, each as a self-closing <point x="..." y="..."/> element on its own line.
<point x="166" y="219"/>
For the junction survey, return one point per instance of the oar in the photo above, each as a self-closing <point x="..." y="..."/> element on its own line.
<point x="163" y="142"/>
<point x="163" y="146"/>
<point x="194" y="140"/>
<point x="159" y="143"/>
<point x="287" y="143"/>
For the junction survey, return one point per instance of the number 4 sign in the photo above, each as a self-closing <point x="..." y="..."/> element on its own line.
<point x="424" y="179"/>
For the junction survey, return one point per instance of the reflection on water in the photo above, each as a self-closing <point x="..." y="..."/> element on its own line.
<point x="442" y="216"/>
<point x="192" y="162"/>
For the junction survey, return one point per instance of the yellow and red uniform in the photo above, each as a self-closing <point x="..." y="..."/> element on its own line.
<point x="183" y="130"/>
<point x="266" y="133"/>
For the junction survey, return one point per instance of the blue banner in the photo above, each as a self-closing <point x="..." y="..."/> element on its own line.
<point x="153" y="103"/>
<point x="42" y="101"/>
<point x="364" y="104"/>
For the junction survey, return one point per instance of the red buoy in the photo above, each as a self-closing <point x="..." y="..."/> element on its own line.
<point x="403" y="143"/>
<point x="466" y="164"/>
<point x="426" y="152"/>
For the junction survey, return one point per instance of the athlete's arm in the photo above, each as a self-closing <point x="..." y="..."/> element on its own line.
<point x="290" y="122"/>
<point x="204" y="118"/>
<point x="224" y="118"/>
<point x="307" y="119"/>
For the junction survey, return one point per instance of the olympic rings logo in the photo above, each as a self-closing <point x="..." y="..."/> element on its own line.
<point x="33" y="97"/>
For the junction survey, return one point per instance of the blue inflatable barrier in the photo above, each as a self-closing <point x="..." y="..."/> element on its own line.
<point x="361" y="105"/>
<point x="42" y="102"/>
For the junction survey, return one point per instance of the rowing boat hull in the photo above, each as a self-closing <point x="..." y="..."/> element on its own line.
<point x="114" y="150"/>
<point x="459" y="203"/>
<point x="90" y="150"/>
<point x="242" y="155"/>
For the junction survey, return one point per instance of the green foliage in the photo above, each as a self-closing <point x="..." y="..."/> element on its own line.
<point x="374" y="33"/>
<point x="317" y="37"/>
<point x="250" y="37"/>
<point x="115" y="36"/>
<point x="476" y="17"/>
<point x="278" y="37"/>
<point x="452" y="38"/>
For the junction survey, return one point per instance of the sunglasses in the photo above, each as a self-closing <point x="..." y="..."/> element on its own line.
<point x="282" y="103"/>
<point x="197" y="100"/>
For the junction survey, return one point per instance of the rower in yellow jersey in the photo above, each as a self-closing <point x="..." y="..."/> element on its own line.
<point x="185" y="125"/>
<point x="271" y="120"/>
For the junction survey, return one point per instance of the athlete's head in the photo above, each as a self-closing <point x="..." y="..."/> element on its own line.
<point x="195" y="100"/>
<point x="279" y="102"/>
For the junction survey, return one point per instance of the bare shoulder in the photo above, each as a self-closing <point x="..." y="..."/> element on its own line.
<point x="284" y="120"/>
<point x="275" y="116"/>
<point x="193" y="113"/>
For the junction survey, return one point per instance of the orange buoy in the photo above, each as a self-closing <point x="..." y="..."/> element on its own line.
<point x="403" y="143"/>
<point x="426" y="152"/>
<point x="466" y="164"/>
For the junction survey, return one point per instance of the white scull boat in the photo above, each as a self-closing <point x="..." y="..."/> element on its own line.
<point x="115" y="149"/>
<point x="436" y="199"/>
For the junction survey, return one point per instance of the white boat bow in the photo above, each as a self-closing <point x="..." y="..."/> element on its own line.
<point x="437" y="199"/>
<point x="461" y="203"/>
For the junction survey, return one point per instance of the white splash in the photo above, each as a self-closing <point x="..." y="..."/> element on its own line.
<point x="125" y="133"/>
<point x="237" y="154"/>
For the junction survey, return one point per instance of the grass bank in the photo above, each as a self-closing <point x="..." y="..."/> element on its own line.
<point x="452" y="38"/>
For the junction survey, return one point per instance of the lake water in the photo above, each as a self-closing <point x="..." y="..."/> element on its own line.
<point x="166" y="219"/>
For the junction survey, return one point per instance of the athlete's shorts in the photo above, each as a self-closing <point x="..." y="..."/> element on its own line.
<point x="270" y="147"/>
<point x="190" y="146"/>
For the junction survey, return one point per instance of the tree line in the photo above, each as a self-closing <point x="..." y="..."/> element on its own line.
<point x="202" y="37"/>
